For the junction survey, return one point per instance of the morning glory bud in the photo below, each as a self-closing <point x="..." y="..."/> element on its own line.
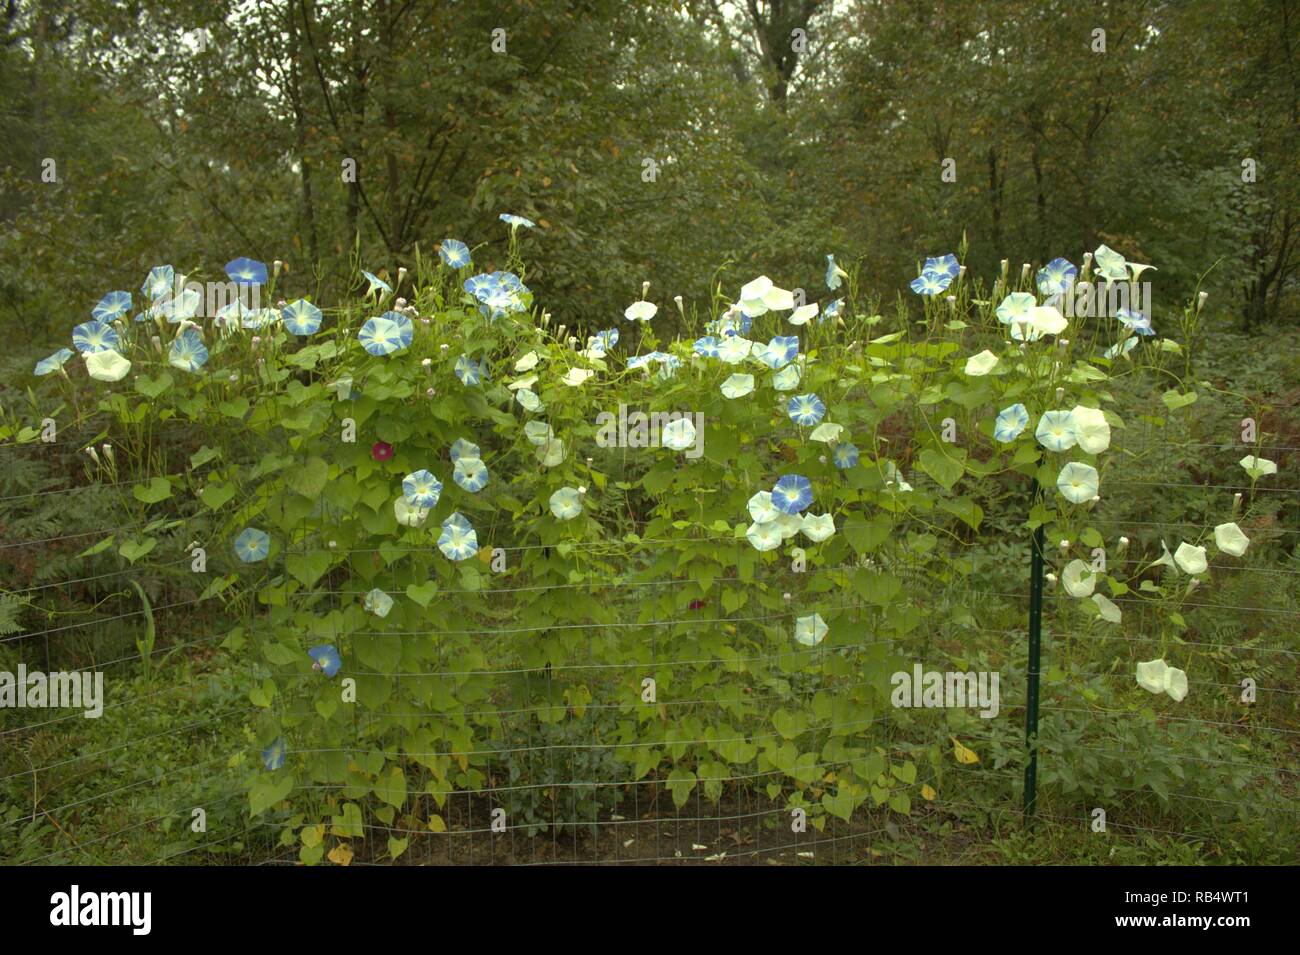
<point x="1236" y="503"/>
<point x="234" y="376"/>
<point x="333" y="544"/>
<point x="281" y="304"/>
<point x="1200" y="301"/>
<point x="582" y="489"/>
<point x="1060" y="395"/>
<point x="680" y="306"/>
<point x="401" y="303"/>
<point x="443" y="346"/>
<point x="1024" y="272"/>
<point x="559" y="332"/>
<point x="1192" y="585"/>
<point x="1123" y="544"/>
<point x="1051" y="580"/>
<point x="427" y="363"/>
<point x="157" y="344"/>
<point x="430" y="392"/>
<point x="276" y="266"/>
<point x="257" y="340"/>
<point x="401" y="274"/>
<point x="1065" y="545"/>
<point x="785" y="596"/>
<point x="94" y="455"/>
<point x="961" y="274"/>
<point x="645" y="289"/>
<point x="1005" y="264"/>
<point x="108" y="453"/>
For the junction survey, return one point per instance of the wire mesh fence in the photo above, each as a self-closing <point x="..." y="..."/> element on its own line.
<point x="651" y="714"/>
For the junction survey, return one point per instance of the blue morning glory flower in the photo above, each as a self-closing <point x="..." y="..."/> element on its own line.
<point x="188" y="353"/>
<point x="256" y="318"/>
<point x="380" y="336"/>
<point x="246" y="271"/>
<point x="376" y="283"/>
<point x="735" y="322"/>
<point x="604" y="340"/>
<point x="830" y="311"/>
<point x="834" y="274"/>
<point x="515" y="221"/>
<point x="1056" y="277"/>
<point x="780" y="351"/>
<point x="792" y="493"/>
<point x="273" y="756"/>
<point x="479" y="285"/>
<point x="1135" y="320"/>
<point x="325" y="659"/>
<point x="461" y="448"/>
<point x="421" y="489"/>
<point x="158" y="283"/>
<point x="510" y="282"/>
<point x="252" y="545"/>
<point x="930" y="282"/>
<point x="845" y="456"/>
<point x="469" y="371"/>
<point x="180" y="308"/>
<point x="47" y="366"/>
<point x="806" y="410"/>
<point x="405" y="328"/>
<point x="454" y="253"/>
<point x="944" y="265"/>
<point x="90" y="337"/>
<point x="458" y="541"/>
<point x="112" y="307"/>
<point x="301" y="317"/>
<point x="1010" y="422"/>
<point x="471" y="474"/>
<point x="706" y="347"/>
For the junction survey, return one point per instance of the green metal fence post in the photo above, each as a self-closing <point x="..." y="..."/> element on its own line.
<point x="1035" y="654"/>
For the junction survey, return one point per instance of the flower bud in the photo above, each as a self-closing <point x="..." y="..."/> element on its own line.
<point x="401" y="274"/>
<point x="1024" y="272"/>
<point x="1051" y="580"/>
<point x="94" y="455"/>
<point x="427" y="363"/>
<point x="276" y="266"/>
<point x="681" y="307"/>
<point x="645" y="289"/>
<point x="1123" y="544"/>
<point x="1065" y="545"/>
<point x="1236" y="503"/>
<point x="430" y="392"/>
<point x="785" y="596"/>
<point x="1060" y="395"/>
<point x="1005" y="264"/>
<point x="400" y="303"/>
<point x="1200" y="301"/>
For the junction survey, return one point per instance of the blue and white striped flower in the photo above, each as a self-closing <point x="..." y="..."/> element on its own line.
<point x="706" y="347"/>
<point x="1056" y="277"/>
<point x="733" y="349"/>
<point x="376" y="284"/>
<point x="188" y="353"/>
<point x="273" y="756"/>
<point x="461" y="448"/>
<point x="515" y="221"/>
<point x="779" y="352"/>
<point x="179" y="308"/>
<point x="301" y="317"/>
<point x="1055" y="431"/>
<point x="944" y="265"/>
<point x="246" y="271"/>
<point x="112" y="306"/>
<point x="421" y="489"/>
<point x="454" y="253"/>
<point x="380" y="336"/>
<point x="325" y="659"/>
<point x="806" y="410"/>
<point x="90" y="337"/>
<point x="469" y="371"/>
<point x="605" y="340"/>
<point x="1010" y="423"/>
<point x="47" y="366"/>
<point x="845" y="456"/>
<point x="792" y="493"/>
<point x="252" y="545"/>
<point x="471" y="474"/>
<point x="458" y="541"/>
<point x="930" y="282"/>
<point x="405" y="328"/>
<point x="158" y="283"/>
<point x="832" y="310"/>
<point x="1122" y="348"/>
<point x="1135" y="320"/>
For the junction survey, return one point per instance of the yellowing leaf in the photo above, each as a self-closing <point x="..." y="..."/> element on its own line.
<point x="312" y="835"/>
<point x="964" y="755"/>
<point x="341" y="854"/>
<point x="927" y="792"/>
<point x="436" y="824"/>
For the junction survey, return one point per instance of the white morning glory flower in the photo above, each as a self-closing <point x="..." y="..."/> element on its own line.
<point x="817" y="529"/>
<point x="834" y="274"/>
<point x="678" y="435"/>
<point x="378" y="603"/>
<point x="1078" y="483"/>
<point x="1110" y="264"/>
<point x="761" y="508"/>
<point x="1257" y="467"/>
<point x="810" y="630"/>
<point x="787" y="379"/>
<point x="566" y="503"/>
<point x="1055" y="431"/>
<point x="551" y="453"/>
<point x="764" y="537"/>
<point x="1091" y="431"/>
<point x="1046" y="320"/>
<point x="538" y="432"/>
<point x="106" y="365"/>
<point x="1016" y="307"/>
<point x="408" y="515"/>
<point x="529" y="400"/>
<point x="737" y="386"/>
<point x="1191" y="559"/>
<point x="1230" y="539"/>
<point x="458" y="541"/>
<point x="640" y="311"/>
<point x="576" y="376"/>
<point x="1010" y="423"/>
<point x="527" y="363"/>
<point x="1106" y="606"/>
<point x="734" y="349"/>
<point x="180" y="308"/>
<point x="803" y="314"/>
<point x="788" y="525"/>
<point x="1078" y="579"/>
<point x="827" y="432"/>
<point x="1156" y="676"/>
<point x="981" y="364"/>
